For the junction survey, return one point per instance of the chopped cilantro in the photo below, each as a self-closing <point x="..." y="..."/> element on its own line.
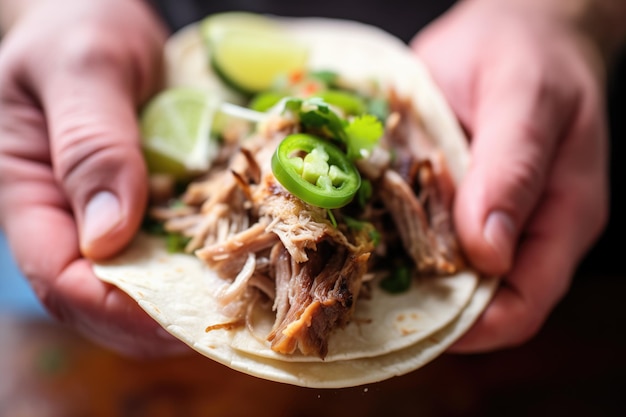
<point x="176" y="242"/>
<point x="350" y="103"/>
<point x="378" y="107"/>
<point x="359" y="136"/>
<point x="152" y="226"/>
<point x="329" y="78"/>
<point x="317" y="117"/>
<point x="398" y="281"/>
<point x="359" y="225"/>
<point x="375" y="236"/>
<point x="363" y="133"/>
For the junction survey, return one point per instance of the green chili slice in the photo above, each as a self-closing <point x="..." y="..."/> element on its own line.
<point x="316" y="171"/>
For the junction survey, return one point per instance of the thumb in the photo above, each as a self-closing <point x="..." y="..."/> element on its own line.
<point x="96" y="154"/>
<point x="515" y="130"/>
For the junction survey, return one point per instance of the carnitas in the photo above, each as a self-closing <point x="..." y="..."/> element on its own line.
<point x="311" y="264"/>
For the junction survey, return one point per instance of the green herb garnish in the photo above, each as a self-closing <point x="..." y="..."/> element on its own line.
<point x="359" y="225"/>
<point x="398" y="281"/>
<point x="176" y="242"/>
<point x="363" y="133"/>
<point x="359" y="135"/>
<point x="329" y="78"/>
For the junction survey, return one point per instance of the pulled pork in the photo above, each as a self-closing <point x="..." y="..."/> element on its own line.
<point x="245" y="226"/>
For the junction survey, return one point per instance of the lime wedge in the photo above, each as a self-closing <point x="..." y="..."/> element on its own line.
<point x="176" y="132"/>
<point x="250" y="52"/>
<point x="216" y="25"/>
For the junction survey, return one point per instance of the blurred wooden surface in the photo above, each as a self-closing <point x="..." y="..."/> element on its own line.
<point x="574" y="367"/>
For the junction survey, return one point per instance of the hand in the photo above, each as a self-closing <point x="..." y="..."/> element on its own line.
<point x="72" y="178"/>
<point x="528" y="89"/>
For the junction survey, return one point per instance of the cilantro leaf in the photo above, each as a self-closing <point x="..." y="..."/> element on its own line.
<point x="363" y="133"/>
<point x="316" y="116"/>
<point x="359" y="136"/>
<point x="329" y="78"/>
<point x="358" y="225"/>
<point x="398" y="281"/>
<point x="176" y="242"/>
<point x="349" y="103"/>
<point x="378" y="107"/>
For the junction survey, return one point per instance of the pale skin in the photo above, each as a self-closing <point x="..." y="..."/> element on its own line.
<point x="531" y="98"/>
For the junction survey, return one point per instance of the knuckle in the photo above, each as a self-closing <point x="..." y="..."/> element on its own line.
<point x="44" y="289"/>
<point x="527" y="166"/>
<point x="54" y="306"/>
<point x="88" y="157"/>
<point x="523" y="182"/>
<point x="91" y="49"/>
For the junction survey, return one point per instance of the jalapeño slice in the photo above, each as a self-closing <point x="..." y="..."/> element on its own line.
<point x="316" y="171"/>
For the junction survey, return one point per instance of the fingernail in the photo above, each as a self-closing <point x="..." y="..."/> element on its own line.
<point x="102" y="214"/>
<point x="500" y="233"/>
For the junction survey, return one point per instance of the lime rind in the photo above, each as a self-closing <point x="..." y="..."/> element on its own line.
<point x="176" y="131"/>
<point x="250" y="52"/>
<point x="215" y="26"/>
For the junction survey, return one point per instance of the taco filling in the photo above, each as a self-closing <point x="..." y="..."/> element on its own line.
<point x="338" y="185"/>
<point x="303" y="171"/>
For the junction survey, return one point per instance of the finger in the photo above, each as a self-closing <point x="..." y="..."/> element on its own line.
<point x="514" y="132"/>
<point x="75" y="296"/>
<point x="90" y="107"/>
<point x="541" y="276"/>
<point x="40" y="229"/>
<point x="570" y="217"/>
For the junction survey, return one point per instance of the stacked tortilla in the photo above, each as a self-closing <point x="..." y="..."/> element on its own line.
<point x="389" y="334"/>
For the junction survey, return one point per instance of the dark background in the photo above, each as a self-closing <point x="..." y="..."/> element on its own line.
<point x="400" y="17"/>
<point x="606" y="256"/>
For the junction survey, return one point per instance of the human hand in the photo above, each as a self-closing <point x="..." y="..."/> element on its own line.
<point x="72" y="177"/>
<point x="528" y="88"/>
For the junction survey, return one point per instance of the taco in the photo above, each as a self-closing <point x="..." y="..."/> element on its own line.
<point x="319" y="248"/>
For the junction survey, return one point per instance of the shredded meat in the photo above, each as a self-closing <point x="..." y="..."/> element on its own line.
<point x="244" y="225"/>
<point x="427" y="237"/>
<point x="316" y="298"/>
<point x="417" y="191"/>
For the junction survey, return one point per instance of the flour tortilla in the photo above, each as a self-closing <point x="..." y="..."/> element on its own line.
<point x="180" y="291"/>
<point x="390" y="335"/>
<point x="175" y="289"/>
